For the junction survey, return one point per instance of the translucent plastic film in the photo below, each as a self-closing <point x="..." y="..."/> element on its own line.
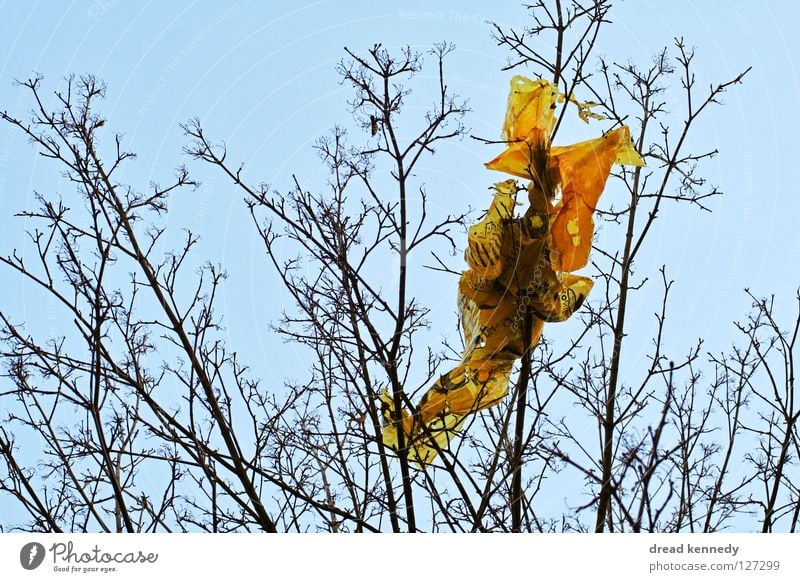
<point x="520" y="265"/>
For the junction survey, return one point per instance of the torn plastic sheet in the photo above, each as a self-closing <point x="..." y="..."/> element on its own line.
<point x="518" y="265"/>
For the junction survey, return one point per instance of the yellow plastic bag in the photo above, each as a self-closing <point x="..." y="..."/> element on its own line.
<point x="519" y="266"/>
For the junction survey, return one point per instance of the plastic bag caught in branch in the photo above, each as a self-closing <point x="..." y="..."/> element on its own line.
<point x="519" y="267"/>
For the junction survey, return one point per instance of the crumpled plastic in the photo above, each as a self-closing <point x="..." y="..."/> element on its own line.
<point x="518" y="265"/>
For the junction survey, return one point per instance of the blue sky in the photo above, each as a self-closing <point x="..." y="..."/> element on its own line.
<point x="261" y="76"/>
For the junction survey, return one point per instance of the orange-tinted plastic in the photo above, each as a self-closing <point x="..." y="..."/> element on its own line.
<point x="519" y="266"/>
